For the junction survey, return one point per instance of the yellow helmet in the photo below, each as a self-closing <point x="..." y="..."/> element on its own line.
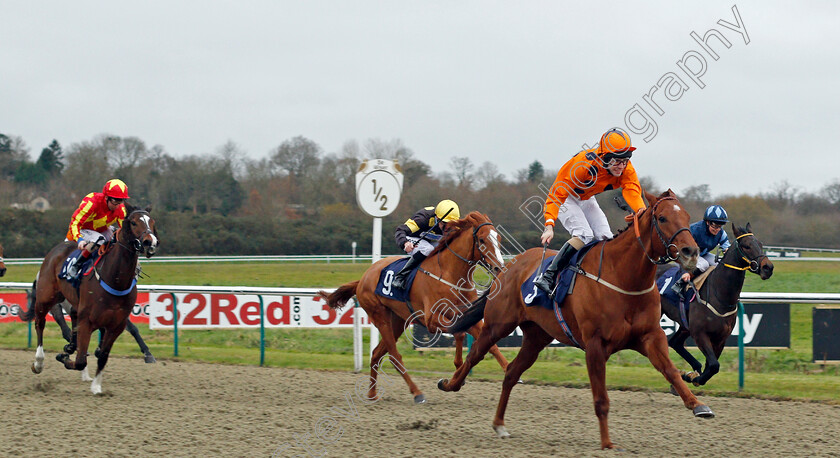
<point x="447" y="206"/>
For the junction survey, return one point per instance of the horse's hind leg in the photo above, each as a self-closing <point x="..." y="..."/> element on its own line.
<point x="475" y="331"/>
<point x="40" y="322"/>
<point x="390" y="328"/>
<point x="655" y="347"/>
<point x="83" y="333"/>
<point x="534" y="339"/>
<point x="132" y="329"/>
<point x="66" y="332"/>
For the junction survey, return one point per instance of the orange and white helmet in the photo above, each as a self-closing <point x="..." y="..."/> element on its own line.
<point x="615" y="144"/>
<point x="116" y="189"/>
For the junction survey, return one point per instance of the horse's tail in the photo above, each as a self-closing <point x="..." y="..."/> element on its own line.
<point x="340" y="296"/>
<point x="30" y="303"/>
<point x="473" y="315"/>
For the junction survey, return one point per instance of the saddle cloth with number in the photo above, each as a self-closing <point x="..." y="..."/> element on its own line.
<point x="384" y="287"/>
<point x="664" y="282"/>
<point x="565" y="281"/>
<point x="85" y="268"/>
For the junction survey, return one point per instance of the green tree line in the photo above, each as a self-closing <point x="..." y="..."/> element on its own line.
<point x="299" y="199"/>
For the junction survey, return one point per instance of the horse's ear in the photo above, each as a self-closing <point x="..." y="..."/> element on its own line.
<point x="650" y="197"/>
<point x="749" y="229"/>
<point x="128" y="208"/>
<point x="148" y="209"/>
<point x="737" y="230"/>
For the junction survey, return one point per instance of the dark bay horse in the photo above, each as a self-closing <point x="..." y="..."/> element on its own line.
<point x="105" y="297"/>
<point x="2" y="261"/>
<point x="618" y="309"/>
<point x="443" y="284"/>
<point x="711" y="317"/>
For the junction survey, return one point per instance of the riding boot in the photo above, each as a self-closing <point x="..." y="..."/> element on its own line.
<point x="401" y="276"/>
<point x="546" y="281"/>
<point x="75" y="266"/>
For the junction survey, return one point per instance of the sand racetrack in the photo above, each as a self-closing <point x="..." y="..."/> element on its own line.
<point x="192" y="409"/>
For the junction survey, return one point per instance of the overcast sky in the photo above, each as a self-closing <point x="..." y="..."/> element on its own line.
<point x="505" y="82"/>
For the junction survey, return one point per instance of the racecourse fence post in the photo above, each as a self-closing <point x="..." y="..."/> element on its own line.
<point x="740" y="346"/>
<point x="175" y="323"/>
<point x="29" y="336"/>
<point x="470" y="340"/>
<point x="262" y="332"/>
<point x="358" y="339"/>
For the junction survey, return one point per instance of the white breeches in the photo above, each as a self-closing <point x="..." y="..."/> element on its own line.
<point x="423" y="246"/>
<point x="94" y="239"/>
<point x="705" y="261"/>
<point x="584" y="219"/>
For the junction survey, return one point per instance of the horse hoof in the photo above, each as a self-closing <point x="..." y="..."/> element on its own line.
<point x="69" y="349"/>
<point x="36" y="370"/>
<point x="521" y="382"/>
<point x="149" y="359"/>
<point x="501" y="432"/>
<point x="442" y="384"/>
<point x="420" y="399"/>
<point x="96" y="353"/>
<point x="703" y="411"/>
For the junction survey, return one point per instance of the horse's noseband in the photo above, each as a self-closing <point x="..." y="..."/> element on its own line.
<point x="481" y="261"/>
<point x="754" y="263"/>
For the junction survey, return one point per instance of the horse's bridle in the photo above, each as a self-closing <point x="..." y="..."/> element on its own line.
<point x="753" y="265"/>
<point x="136" y="244"/>
<point x="667" y="244"/>
<point x="471" y="263"/>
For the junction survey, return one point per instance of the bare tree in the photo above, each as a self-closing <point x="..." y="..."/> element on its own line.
<point x="462" y="169"/>
<point x="488" y="174"/>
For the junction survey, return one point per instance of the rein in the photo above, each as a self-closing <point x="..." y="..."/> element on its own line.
<point x="667" y="244"/>
<point x="753" y="265"/>
<point x="135" y="247"/>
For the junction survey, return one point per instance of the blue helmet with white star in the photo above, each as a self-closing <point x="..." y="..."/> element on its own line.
<point x="716" y="214"/>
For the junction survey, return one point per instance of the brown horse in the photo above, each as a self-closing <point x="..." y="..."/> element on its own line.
<point x="105" y="297"/>
<point x="445" y="283"/>
<point x="618" y="309"/>
<point x="711" y="317"/>
<point x="2" y="261"/>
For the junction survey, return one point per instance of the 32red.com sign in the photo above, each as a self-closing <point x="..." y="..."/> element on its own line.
<point x="204" y="310"/>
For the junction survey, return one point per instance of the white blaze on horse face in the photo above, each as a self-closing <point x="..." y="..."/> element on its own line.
<point x="494" y="240"/>
<point x="147" y="220"/>
<point x="677" y="208"/>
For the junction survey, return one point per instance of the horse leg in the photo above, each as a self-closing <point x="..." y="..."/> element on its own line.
<point x="596" y="366"/>
<point x="58" y="315"/>
<point x="655" y="347"/>
<point x="390" y="331"/>
<point x="40" y="323"/>
<point x="107" y="342"/>
<point x="459" y="349"/>
<point x="475" y="331"/>
<point x="490" y="334"/>
<point x="677" y="342"/>
<point x="83" y="333"/>
<point x="712" y="363"/>
<point x="132" y="329"/>
<point x="534" y="339"/>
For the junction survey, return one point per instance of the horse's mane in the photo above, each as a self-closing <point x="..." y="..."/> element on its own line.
<point x="455" y="228"/>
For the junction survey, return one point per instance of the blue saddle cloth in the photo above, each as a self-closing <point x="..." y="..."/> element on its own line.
<point x="565" y="281"/>
<point x="664" y="283"/>
<point x="84" y="268"/>
<point x="384" y="287"/>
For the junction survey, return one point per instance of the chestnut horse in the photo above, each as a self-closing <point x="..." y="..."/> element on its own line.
<point x="105" y="297"/>
<point x="445" y="283"/>
<point x="616" y="310"/>
<point x="711" y="317"/>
